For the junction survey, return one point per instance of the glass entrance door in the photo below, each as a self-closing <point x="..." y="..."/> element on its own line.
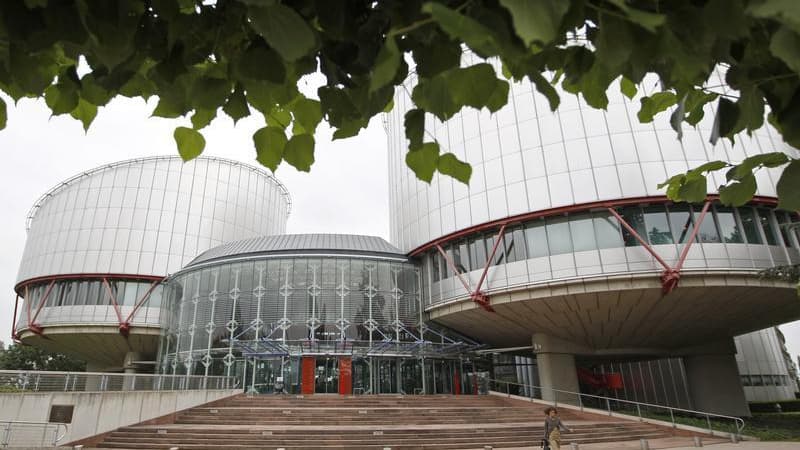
<point x="326" y="375"/>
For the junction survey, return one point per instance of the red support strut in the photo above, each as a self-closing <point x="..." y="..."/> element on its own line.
<point x="671" y="274"/>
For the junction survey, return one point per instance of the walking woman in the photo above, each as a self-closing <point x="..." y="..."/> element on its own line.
<point x="553" y="428"/>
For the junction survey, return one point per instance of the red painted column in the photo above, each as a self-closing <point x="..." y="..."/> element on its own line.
<point x="307" y="372"/>
<point x="345" y="375"/>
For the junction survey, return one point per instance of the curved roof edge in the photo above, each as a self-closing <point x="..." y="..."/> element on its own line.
<point x="298" y="244"/>
<point x="71" y="180"/>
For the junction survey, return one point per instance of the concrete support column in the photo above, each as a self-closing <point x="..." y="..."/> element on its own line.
<point x="555" y="361"/>
<point x="129" y="367"/>
<point x="94" y="382"/>
<point x="713" y="380"/>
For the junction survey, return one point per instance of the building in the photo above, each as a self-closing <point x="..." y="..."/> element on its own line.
<point x="562" y="242"/>
<point x="766" y="368"/>
<point x="100" y="243"/>
<point x="561" y="259"/>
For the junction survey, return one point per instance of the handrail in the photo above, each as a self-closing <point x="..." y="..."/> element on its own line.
<point x="45" y="381"/>
<point x="738" y="421"/>
<point x="7" y="430"/>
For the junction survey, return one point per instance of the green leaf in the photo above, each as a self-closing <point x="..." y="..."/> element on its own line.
<point x="415" y="127"/>
<point x="545" y="89"/>
<point x="94" y="93"/>
<point x="738" y="193"/>
<point x="278" y="117"/>
<point x="236" y="106"/>
<point x="725" y="120"/>
<point x="62" y="98"/>
<point x="190" y="143"/>
<point x="655" y="104"/>
<point x="695" y="101"/>
<point x="85" y="112"/>
<point x="30" y="4"/>
<point x="751" y="109"/>
<point x="694" y="189"/>
<point x="424" y="161"/>
<point x="202" y="117"/>
<point x="259" y="63"/>
<point x="450" y="165"/>
<point x="3" y="114"/>
<point x="476" y="86"/>
<point x="434" y="58"/>
<point x="386" y="65"/>
<point x="785" y="44"/>
<point x="536" y="20"/>
<point x="299" y="152"/>
<point x="460" y="27"/>
<point x="627" y="87"/>
<point x="647" y="20"/>
<point x="284" y="30"/>
<point x="270" y="143"/>
<point x="784" y="11"/>
<point x="167" y="108"/>
<point x="788" y="187"/>
<point x="307" y="112"/>
<point x="209" y="93"/>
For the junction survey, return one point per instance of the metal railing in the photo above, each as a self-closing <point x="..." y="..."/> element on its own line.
<point x="39" y="381"/>
<point x="16" y="433"/>
<point x="700" y="419"/>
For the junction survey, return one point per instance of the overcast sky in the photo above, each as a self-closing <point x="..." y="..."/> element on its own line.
<point x="345" y="192"/>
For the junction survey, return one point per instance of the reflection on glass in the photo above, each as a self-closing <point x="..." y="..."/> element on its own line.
<point x="435" y="266"/>
<point x="783" y="221"/>
<point x="766" y="226"/>
<point x="708" y="229"/>
<point x="728" y="226"/>
<point x="558" y="237"/>
<point x="606" y="228"/>
<point x="749" y="222"/>
<point x="536" y="239"/>
<point x="582" y="232"/>
<point x="477" y="253"/>
<point x="681" y="223"/>
<point x="634" y="217"/>
<point x="657" y="225"/>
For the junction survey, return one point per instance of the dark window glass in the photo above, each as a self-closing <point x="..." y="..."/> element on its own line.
<point x="536" y="239"/>
<point x="558" y="237"/>
<point x="509" y="246"/>
<point x="655" y="219"/>
<point x="446" y="269"/>
<point x="731" y="234"/>
<point x="519" y="244"/>
<point x="635" y="219"/>
<point x="607" y="231"/>
<point x="477" y="252"/>
<point x="582" y="232"/>
<point x="435" y="266"/>
<point x="708" y="229"/>
<point x="766" y="225"/>
<point x="499" y="254"/>
<point x="783" y="221"/>
<point x="680" y="220"/>
<point x="97" y="294"/>
<point x="463" y="261"/>
<point x="749" y="222"/>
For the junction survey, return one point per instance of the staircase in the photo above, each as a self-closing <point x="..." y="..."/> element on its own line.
<point x="369" y="422"/>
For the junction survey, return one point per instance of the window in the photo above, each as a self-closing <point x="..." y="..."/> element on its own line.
<point x="655" y="219"/>
<point x="558" y="237"/>
<point x="635" y="219"/>
<point x="783" y="221"/>
<point x="606" y="230"/>
<point x="708" y="229"/>
<point x="536" y="239"/>
<point x="749" y="224"/>
<point x="477" y="253"/>
<point x="766" y="226"/>
<point x="681" y="223"/>
<point x="519" y="247"/>
<point x="462" y="257"/>
<point x="731" y="234"/>
<point x="582" y="232"/>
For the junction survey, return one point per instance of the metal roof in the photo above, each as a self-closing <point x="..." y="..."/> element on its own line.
<point x="300" y="244"/>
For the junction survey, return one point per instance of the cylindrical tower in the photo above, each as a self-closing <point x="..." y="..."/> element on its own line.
<point x="100" y="242"/>
<point x="563" y="241"/>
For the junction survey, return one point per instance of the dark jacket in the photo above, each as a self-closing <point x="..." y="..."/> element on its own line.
<point x="551" y="423"/>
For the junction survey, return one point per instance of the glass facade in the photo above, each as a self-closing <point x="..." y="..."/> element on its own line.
<point x="584" y="235"/>
<point x="266" y="317"/>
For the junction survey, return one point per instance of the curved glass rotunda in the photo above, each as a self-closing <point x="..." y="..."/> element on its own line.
<point x="308" y="313"/>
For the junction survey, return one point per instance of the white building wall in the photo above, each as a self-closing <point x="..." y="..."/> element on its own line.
<point x="149" y="216"/>
<point x="762" y="367"/>
<point x="526" y="158"/>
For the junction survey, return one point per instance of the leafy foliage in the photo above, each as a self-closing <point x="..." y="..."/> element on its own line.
<point x="239" y="57"/>
<point x="25" y="357"/>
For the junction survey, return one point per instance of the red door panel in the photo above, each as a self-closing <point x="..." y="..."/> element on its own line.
<point x="307" y="375"/>
<point x="345" y="375"/>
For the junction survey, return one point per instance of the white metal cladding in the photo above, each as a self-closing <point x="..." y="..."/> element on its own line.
<point x="762" y="366"/>
<point x="149" y="216"/>
<point x="527" y="158"/>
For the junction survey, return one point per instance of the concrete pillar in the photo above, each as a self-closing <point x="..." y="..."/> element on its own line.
<point x="713" y="380"/>
<point x="130" y="368"/>
<point x="555" y="361"/>
<point x="93" y="382"/>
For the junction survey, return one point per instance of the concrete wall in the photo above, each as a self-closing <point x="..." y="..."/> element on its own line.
<point x="100" y="412"/>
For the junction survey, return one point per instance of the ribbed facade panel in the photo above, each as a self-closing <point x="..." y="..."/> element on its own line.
<point x="149" y="216"/>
